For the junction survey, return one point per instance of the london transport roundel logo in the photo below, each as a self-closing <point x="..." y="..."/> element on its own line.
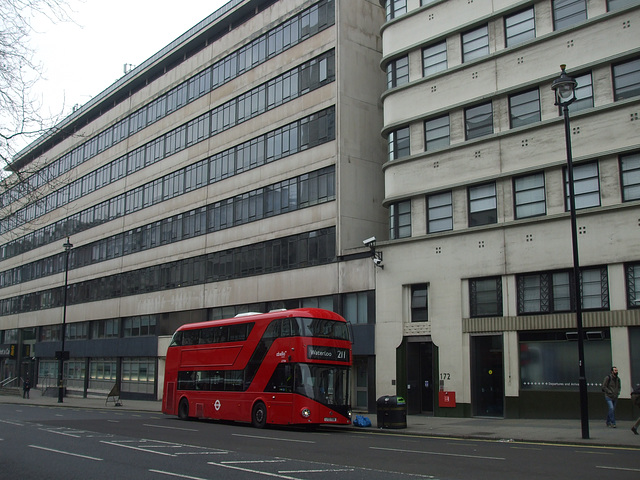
<point x="217" y="404"/>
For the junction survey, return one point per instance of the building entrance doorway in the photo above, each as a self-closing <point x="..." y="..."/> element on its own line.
<point x="487" y="379"/>
<point x="419" y="377"/>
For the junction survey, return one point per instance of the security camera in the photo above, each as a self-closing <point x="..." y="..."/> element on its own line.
<point x="378" y="262"/>
<point x="369" y="241"/>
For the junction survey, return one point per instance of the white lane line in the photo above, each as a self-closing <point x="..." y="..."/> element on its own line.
<point x="66" y="453"/>
<point x="179" y="475"/>
<point x="326" y="470"/>
<point x="438" y="453"/>
<point x="236" y="462"/>
<point x="169" y="428"/>
<point x="618" y="468"/>
<point x="137" y="448"/>
<point x="66" y="434"/>
<point x="257" y="472"/>
<point x="273" y="438"/>
<point x="12" y="423"/>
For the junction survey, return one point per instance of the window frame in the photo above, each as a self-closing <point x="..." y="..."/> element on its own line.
<point x="635" y="173"/>
<point x="432" y="220"/>
<point x="474" y="305"/>
<point x="521" y="37"/>
<point x="582" y="100"/>
<point x="399" y="147"/>
<point x="400" y="220"/>
<point x="481" y="129"/>
<point x="430" y="54"/>
<point x="578" y="181"/>
<point x="419" y="303"/>
<point x="475" y="43"/>
<point x="529" y="193"/>
<point x="568" y="20"/>
<point x="431" y="127"/>
<point x="530" y="106"/>
<point x="398" y="72"/>
<point x="479" y="217"/>
<point x="620" y="91"/>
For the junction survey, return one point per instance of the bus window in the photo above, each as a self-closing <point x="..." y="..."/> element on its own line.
<point x="282" y="379"/>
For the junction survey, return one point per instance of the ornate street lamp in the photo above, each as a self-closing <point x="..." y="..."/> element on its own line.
<point x="62" y="354"/>
<point x="565" y="90"/>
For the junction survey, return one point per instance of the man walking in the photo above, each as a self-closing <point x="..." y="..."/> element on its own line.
<point x="611" y="387"/>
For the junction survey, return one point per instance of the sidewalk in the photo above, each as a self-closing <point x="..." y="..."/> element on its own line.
<point x="504" y="430"/>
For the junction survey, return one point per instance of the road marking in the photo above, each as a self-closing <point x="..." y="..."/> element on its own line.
<point x="179" y="475"/>
<point x="66" y="453"/>
<point x="138" y="448"/>
<point x="170" y="428"/>
<point x="327" y="470"/>
<point x="12" y="423"/>
<point x="273" y="438"/>
<point x="438" y="453"/>
<point x="618" y="468"/>
<point x="254" y="461"/>
<point x="258" y="472"/>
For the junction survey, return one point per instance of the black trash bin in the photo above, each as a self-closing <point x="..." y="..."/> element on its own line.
<point x="392" y="412"/>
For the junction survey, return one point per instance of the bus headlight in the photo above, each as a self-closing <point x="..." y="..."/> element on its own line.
<point x="306" y="413"/>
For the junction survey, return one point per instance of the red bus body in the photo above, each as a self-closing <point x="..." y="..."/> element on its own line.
<point x="285" y="367"/>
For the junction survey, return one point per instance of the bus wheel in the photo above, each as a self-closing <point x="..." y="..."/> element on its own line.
<point x="259" y="415"/>
<point x="183" y="409"/>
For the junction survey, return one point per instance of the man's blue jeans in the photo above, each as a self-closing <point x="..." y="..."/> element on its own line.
<point x="611" y="418"/>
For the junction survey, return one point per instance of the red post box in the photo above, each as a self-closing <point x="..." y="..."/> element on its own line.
<point x="446" y="399"/>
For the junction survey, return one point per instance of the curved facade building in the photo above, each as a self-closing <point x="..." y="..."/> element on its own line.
<point x="476" y="297"/>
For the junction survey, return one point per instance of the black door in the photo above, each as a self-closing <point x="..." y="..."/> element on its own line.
<point x="487" y="380"/>
<point x="419" y="377"/>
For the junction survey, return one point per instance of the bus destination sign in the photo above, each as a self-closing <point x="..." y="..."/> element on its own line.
<point x="333" y="354"/>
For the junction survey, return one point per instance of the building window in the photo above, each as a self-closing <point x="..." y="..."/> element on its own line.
<point x="520" y="27"/>
<point x="584" y="93"/>
<point x="546" y="292"/>
<point x="419" y="307"/>
<point x="144" y="325"/>
<point x="619" y="4"/>
<point x="594" y="285"/>
<point x="568" y="12"/>
<point x="626" y="79"/>
<point x="439" y="212"/>
<point x="399" y="143"/>
<point x="396" y="8"/>
<point x="483" y="208"/>
<point x="400" y="220"/>
<point x="358" y="307"/>
<point x="434" y="58"/>
<point x="524" y="108"/>
<point x="475" y="44"/>
<point x="529" y="195"/>
<point x="485" y="296"/>
<point x="586" y="186"/>
<point x="478" y="121"/>
<point x="398" y="72"/>
<point x="630" y="171"/>
<point x="436" y="133"/>
<point x="633" y="284"/>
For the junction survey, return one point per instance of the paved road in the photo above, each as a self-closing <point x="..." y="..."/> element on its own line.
<point x="69" y="443"/>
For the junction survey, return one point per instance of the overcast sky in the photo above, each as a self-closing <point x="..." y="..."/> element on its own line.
<point x="81" y="59"/>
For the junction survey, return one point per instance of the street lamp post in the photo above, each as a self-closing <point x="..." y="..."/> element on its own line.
<point x="62" y="354"/>
<point x="565" y="91"/>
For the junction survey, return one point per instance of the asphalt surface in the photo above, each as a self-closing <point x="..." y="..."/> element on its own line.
<point x="563" y="431"/>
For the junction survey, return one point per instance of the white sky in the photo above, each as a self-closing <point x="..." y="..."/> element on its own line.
<point x="81" y="59"/>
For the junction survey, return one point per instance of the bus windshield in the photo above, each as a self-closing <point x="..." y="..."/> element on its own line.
<point x="326" y="384"/>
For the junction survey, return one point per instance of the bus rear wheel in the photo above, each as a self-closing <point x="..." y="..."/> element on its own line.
<point x="183" y="409"/>
<point x="259" y="415"/>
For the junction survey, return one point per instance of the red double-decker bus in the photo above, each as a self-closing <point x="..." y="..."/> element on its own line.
<point x="283" y="367"/>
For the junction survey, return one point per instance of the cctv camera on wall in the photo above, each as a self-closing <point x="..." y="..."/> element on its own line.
<point x="369" y="241"/>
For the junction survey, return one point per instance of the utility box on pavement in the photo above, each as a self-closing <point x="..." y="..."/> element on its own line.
<point x="446" y="399"/>
<point x="392" y="412"/>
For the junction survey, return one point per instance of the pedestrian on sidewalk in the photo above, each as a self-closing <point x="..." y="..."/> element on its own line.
<point x="26" y="386"/>
<point x="635" y="399"/>
<point x="611" y="386"/>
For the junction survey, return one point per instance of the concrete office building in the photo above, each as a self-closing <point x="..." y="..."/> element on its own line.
<point x="476" y="295"/>
<point x="238" y="169"/>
